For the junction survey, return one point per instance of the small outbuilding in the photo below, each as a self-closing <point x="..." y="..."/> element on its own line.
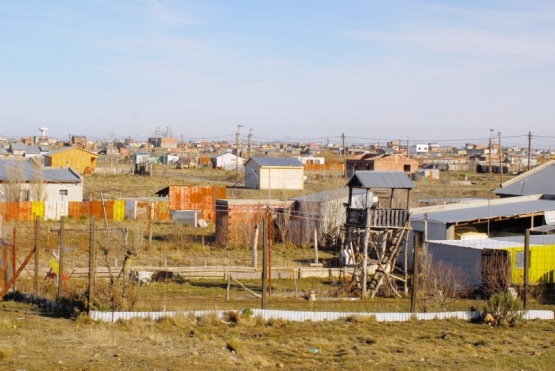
<point x="274" y="173"/>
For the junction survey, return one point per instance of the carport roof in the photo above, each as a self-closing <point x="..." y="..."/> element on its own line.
<point x="495" y="209"/>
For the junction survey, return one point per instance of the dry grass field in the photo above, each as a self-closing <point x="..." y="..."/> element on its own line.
<point x="32" y="340"/>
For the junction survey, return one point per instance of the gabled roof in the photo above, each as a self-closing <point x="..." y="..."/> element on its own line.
<point x="381" y="179"/>
<point x="276" y="161"/>
<point x="540" y="180"/>
<point x="65" y="149"/>
<point x="25" y="170"/>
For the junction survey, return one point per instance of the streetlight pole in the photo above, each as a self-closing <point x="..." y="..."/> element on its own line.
<point x="237" y="155"/>
<point x="490" y="149"/>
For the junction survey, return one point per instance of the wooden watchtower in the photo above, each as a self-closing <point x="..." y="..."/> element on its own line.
<point x="377" y="229"/>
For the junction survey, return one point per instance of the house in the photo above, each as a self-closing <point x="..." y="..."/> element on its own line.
<point x="227" y="161"/>
<point x="78" y="159"/>
<point x="382" y="162"/>
<point x="25" y="180"/>
<point x="274" y="173"/>
<point x="539" y="180"/>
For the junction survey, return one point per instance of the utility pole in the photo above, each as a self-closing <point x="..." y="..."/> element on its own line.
<point x="529" y="148"/>
<point x="250" y="142"/>
<point x="490" y="149"/>
<point x="237" y="154"/>
<point x="500" y="156"/>
<point x="344" y="154"/>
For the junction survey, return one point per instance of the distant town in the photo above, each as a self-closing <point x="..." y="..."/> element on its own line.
<point x="163" y="148"/>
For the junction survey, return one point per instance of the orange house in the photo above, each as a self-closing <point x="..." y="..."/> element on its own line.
<point x="78" y="159"/>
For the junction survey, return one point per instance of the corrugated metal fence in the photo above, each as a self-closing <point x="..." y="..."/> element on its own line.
<point x="112" y="210"/>
<point x="301" y="316"/>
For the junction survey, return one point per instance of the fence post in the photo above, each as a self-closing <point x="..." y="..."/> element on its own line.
<point x="92" y="265"/>
<point x="61" y="259"/>
<point x="255" y="246"/>
<point x="264" y="263"/>
<point x="526" y="267"/>
<point x="37" y="249"/>
<point x="14" y="257"/>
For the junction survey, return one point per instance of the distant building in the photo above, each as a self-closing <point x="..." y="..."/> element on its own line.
<point x="382" y="162"/>
<point x="227" y="161"/>
<point x="79" y="159"/>
<point x="274" y="173"/>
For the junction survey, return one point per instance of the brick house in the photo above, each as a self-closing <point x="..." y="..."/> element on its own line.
<point x="382" y="162"/>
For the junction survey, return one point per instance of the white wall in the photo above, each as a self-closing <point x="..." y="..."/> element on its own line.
<point x="281" y="178"/>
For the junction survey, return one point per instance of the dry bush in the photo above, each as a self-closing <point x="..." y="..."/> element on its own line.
<point x="5" y="352"/>
<point x="440" y="284"/>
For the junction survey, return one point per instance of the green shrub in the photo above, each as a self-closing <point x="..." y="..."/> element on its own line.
<point x="504" y="308"/>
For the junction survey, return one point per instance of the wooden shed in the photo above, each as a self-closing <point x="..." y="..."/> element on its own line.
<point x="79" y="159"/>
<point x="236" y="219"/>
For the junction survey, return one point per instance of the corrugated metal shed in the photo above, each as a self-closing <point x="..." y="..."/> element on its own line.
<point x="484" y="211"/>
<point x="276" y="161"/>
<point x="27" y="171"/>
<point x="536" y="181"/>
<point x="381" y="179"/>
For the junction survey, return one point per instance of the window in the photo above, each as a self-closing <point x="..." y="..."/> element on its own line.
<point x="63" y="192"/>
<point x="519" y="260"/>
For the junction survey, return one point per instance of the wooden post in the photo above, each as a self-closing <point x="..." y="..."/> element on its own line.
<point x="228" y="287"/>
<point x="104" y="209"/>
<point x="315" y="245"/>
<point x="526" y="268"/>
<point x="36" y="279"/>
<point x="264" y="263"/>
<point x="255" y="247"/>
<point x="61" y="259"/>
<point x="149" y="225"/>
<point x="415" y="268"/>
<point x="270" y="246"/>
<point x="92" y="265"/>
<point x="14" y="257"/>
<point x="365" y="258"/>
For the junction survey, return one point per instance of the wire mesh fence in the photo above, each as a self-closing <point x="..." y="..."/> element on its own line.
<point x="122" y="267"/>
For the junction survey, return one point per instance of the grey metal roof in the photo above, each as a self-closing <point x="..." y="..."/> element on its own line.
<point x="381" y="179"/>
<point x="466" y="212"/>
<point x="497" y="242"/>
<point x="333" y="194"/>
<point x="277" y="161"/>
<point x="537" y="181"/>
<point x="26" y="171"/>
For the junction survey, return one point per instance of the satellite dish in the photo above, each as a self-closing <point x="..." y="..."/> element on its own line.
<point x="43" y="131"/>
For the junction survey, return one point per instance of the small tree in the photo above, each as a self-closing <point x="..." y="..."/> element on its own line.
<point x="13" y="184"/>
<point x="505" y="309"/>
<point x="37" y="187"/>
<point x="440" y="284"/>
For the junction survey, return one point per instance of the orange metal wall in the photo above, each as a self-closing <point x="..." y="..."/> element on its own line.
<point x="201" y="198"/>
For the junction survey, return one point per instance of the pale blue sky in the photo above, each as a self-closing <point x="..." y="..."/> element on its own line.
<point x="440" y="71"/>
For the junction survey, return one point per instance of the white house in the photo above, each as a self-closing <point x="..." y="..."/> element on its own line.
<point x="274" y="173"/>
<point x="312" y="160"/>
<point x="24" y="180"/>
<point x="227" y="161"/>
<point x="419" y="149"/>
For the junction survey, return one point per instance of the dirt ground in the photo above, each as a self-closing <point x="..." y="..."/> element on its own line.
<point x="32" y="340"/>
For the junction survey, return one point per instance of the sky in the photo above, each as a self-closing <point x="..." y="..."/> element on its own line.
<point x="302" y="70"/>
